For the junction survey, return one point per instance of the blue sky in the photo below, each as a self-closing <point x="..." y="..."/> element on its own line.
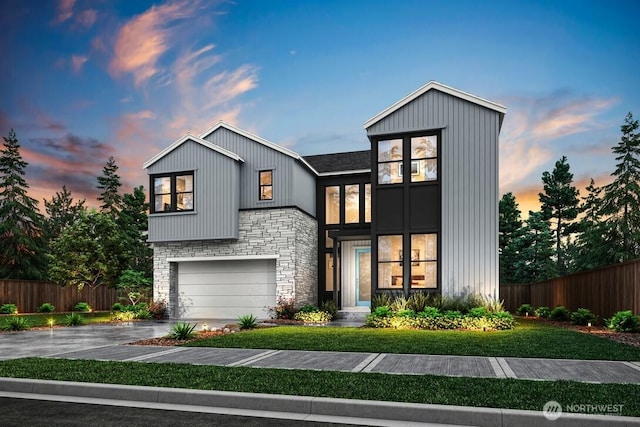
<point x="83" y="80"/>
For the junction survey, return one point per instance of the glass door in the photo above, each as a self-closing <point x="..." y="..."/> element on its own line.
<point x="363" y="277"/>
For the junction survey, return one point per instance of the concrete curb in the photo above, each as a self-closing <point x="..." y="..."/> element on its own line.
<point x="313" y="406"/>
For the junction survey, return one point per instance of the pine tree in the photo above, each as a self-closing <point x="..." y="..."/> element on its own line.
<point x="110" y="185"/>
<point x="133" y="222"/>
<point x="510" y="228"/>
<point x="22" y="254"/>
<point x="591" y="247"/>
<point x="621" y="202"/>
<point x="61" y="212"/>
<point x="560" y="206"/>
<point x="535" y="249"/>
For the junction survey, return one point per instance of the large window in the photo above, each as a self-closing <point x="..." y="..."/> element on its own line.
<point x="390" y="262"/>
<point x="367" y="203"/>
<point x="173" y="192"/>
<point x="424" y="260"/>
<point x="390" y="168"/>
<point x="265" y="180"/>
<point x="424" y="158"/>
<point x="352" y="204"/>
<point x="332" y="204"/>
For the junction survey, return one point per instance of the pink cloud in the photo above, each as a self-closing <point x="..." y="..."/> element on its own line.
<point x="64" y="11"/>
<point x="87" y="18"/>
<point x="77" y="61"/>
<point x="130" y="125"/>
<point x="574" y="117"/>
<point x="141" y="42"/>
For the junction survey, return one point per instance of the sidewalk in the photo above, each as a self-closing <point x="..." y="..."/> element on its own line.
<point x="417" y="364"/>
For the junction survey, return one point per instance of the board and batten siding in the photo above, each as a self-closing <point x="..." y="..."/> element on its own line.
<point x="293" y="183"/>
<point x="469" y="176"/>
<point x="216" y="196"/>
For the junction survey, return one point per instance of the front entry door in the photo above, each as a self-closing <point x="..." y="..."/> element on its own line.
<point x="363" y="277"/>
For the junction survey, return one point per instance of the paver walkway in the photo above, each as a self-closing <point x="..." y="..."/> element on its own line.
<point x="467" y="366"/>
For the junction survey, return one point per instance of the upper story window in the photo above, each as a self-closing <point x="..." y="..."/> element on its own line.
<point x="173" y="192"/>
<point x="332" y="204"/>
<point x="367" y="203"/>
<point x="352" y="204"/>
<point x="265" y="181"/>
<point x="390" y="168"/>
<point x="424" y="158"/>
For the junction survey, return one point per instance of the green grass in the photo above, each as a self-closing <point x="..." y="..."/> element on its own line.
<point x="530" y="338"/>
<point x="485" y="392"/>
<point x="42" y="319"/>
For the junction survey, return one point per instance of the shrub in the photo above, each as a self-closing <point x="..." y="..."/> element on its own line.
<point x="143" y="314"/>
<point x="454" y="320"/>
<point x="247" y="321"/>
<point x="382" y="311"/>
<point x="330" y="307"/>
<point x="8" y="309"/>
<point x="313" y="316"/>
<point x="82" y="307"/>
<point x="582" y="316"/>
<point x="543" y="312"/>
<point x="117" y="307"/>
<point x="624" y="321"/>
<point x="47" y="307"/>
<point x="524" y="310"/>
<point x="74" y="319"/>
<point x="122" y="316"/>
<point x="560" y="313"/>
<point x="478" y="312"/>
<point x="406" y="313"/>
<point x="399" y="304"/>
<point x="158" y="309"/>
<point x="493" y="305"/>
<point x="284" y="309"/>
<point x="16" y="323"/>
<point x="418" y="301"/>
<point x="380" y="300"/>
<point x="461" y="303"/>
<point x="182" y="331"/>
<point x="309" y="308"/>
<point x="430" y="312"/>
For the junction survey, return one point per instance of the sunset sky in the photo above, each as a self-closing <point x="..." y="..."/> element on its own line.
<point x="83" y="80"/>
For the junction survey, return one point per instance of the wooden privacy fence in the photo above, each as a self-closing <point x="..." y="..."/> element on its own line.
<point x="28" y="295"/>
<point x="604" y="291"/>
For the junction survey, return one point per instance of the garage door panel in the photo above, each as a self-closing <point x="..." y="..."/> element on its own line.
<point x="226" y="289"/>
<point x="217" y="290"/>
<point x="264" y="265"/>
<point x="247" y="277"/>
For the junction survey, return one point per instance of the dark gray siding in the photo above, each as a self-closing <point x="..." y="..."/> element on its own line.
<point x="216" y="196"/>
<point x="469" y="174"/>
<point x="293" y="183"/>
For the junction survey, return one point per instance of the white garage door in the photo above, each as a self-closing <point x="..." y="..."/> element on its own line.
<point x="226" y="289"/>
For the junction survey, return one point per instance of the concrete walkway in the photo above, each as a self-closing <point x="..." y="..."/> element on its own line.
<point x="106" y="342"/>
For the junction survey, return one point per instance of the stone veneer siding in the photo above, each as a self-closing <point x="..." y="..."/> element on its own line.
<point x="286" y="232"/>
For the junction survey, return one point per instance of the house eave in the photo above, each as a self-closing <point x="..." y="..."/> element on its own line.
<point x="198" y="140"/>
<point x="501" y="109"/>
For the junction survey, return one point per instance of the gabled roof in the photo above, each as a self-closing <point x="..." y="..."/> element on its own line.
<point x="335" y="163"/>
<point x="197" y="140"/>
<point x="442" y="88"/>
<point x="259" y="140"/>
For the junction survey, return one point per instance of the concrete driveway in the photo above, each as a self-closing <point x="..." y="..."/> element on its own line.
<point x="41" y="343"/>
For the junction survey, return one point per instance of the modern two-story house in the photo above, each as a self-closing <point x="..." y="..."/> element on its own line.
<point x="237" y="221"/>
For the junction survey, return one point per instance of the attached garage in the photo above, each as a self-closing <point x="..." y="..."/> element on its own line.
<point x="226" y="289"/>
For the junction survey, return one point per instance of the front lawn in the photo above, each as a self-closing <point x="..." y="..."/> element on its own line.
<point x="59" y="319"/>
<point x="528" y="339"/>
<point x="484" y="392"/>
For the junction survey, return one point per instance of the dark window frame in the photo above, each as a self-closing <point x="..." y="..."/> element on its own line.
<point x="262" y="186"/>
<point x="172" y="192"/>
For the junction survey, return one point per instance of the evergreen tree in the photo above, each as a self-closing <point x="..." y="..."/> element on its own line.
<point x="22" y="254"/>
<point x="510" y="228"/>
<point x="110" y="185"/>
<point x="560" y="206"/>
<point x="61" y="212"/>
<point x="133" y="223"/>
<point x="591" y="248"/>
<point x="535" y="249"/>
<point x="621" y="202"/>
